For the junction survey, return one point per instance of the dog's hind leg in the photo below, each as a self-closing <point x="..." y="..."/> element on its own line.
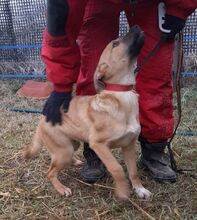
<point x="75" y="160"/>
<point x="31" y="150"/>
<point x="130" y="160"/>
<point x="115" y="169"/>
<point x="61" y="156"/>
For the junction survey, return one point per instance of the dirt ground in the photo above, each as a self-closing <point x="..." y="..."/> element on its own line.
<point x="26" y="194"/>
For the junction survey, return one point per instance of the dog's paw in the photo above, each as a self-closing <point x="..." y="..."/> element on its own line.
<point x="67" y="192"/>
<point x="143" y="193"/>
<point x="122" y="195"/>
<point x="27" y="152"/>
<point x="64" y="191"/>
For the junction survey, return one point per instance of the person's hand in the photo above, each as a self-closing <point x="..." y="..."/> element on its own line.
<point x="53" y="104"/>
<point x="174" y="24"/>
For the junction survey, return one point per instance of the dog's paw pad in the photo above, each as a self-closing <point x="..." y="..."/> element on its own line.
<point x="143" y="193"/>
<point x="67" y="192"/>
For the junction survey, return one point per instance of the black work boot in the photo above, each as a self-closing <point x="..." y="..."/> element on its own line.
<point x="156" y="161"/>
<point x="93" y="169"/>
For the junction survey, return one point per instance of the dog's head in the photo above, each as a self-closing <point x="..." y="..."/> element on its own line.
<point x="118" y="60"/>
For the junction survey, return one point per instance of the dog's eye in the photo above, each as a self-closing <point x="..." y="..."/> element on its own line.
<point x="115" y="44"/>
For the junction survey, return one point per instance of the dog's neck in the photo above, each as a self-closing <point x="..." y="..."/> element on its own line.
<point x="118" y="87"/>
<point x="125" y="83"/>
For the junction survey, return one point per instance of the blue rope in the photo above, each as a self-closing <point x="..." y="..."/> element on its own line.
<point x="38" y="46"/>
<point x="22" y="76"/>
<point x="189" y="73"/>
<point x="190" y="38"/>
<point x="9" y="47"/>
<point x="26" y="110"/>
<point x="186" y="133"/>
<point x="43" y="76"/>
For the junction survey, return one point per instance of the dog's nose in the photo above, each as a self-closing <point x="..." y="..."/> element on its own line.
<point x="135" y="29"/>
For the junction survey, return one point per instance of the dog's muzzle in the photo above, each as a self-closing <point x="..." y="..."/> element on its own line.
<point x="135" y="40"/>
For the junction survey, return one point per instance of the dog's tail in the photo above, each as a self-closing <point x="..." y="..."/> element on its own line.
<point x="34" y="148"/>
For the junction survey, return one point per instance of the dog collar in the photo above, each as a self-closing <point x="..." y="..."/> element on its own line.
<point x="118" y="87"/>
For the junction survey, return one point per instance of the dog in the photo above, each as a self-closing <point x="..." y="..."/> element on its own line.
<point x="106" y="120"/>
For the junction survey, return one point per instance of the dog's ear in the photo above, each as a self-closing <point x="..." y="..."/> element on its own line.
<point x="100" y="74"/>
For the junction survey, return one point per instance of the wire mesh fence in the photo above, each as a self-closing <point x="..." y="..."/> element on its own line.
<point x="21" y="29"/>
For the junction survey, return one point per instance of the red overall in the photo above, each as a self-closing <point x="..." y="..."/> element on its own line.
<point x="94" y="23"/>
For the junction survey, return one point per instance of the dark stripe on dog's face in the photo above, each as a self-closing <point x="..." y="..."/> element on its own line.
<point x="135" y="41"/>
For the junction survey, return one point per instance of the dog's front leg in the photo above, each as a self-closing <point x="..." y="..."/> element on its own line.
<point x="115" y="169"/>
<point x="130" y="160"/>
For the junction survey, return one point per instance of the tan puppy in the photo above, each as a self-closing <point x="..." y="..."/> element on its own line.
<point x="106" y="120"/>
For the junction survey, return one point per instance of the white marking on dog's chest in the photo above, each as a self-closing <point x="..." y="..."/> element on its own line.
<point x="133" y="127"/>
<point x="129" y="101"/>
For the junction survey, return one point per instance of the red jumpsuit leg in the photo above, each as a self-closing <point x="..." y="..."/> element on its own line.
<point x="154" y="81"/>
<point x="60" y="52"/>
<point x="100" y="26"/>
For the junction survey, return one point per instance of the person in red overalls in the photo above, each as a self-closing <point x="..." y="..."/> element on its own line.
<point x="76" y="34"/>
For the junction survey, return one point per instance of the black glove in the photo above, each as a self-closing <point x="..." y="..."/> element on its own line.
<point x="52" y="106"/>
<point x="130" y="1"/>
<point x="174" y="24"/>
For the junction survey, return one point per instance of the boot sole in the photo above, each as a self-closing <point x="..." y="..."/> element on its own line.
<point x="93" y="179"/>
<point x="160" y="180"/>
